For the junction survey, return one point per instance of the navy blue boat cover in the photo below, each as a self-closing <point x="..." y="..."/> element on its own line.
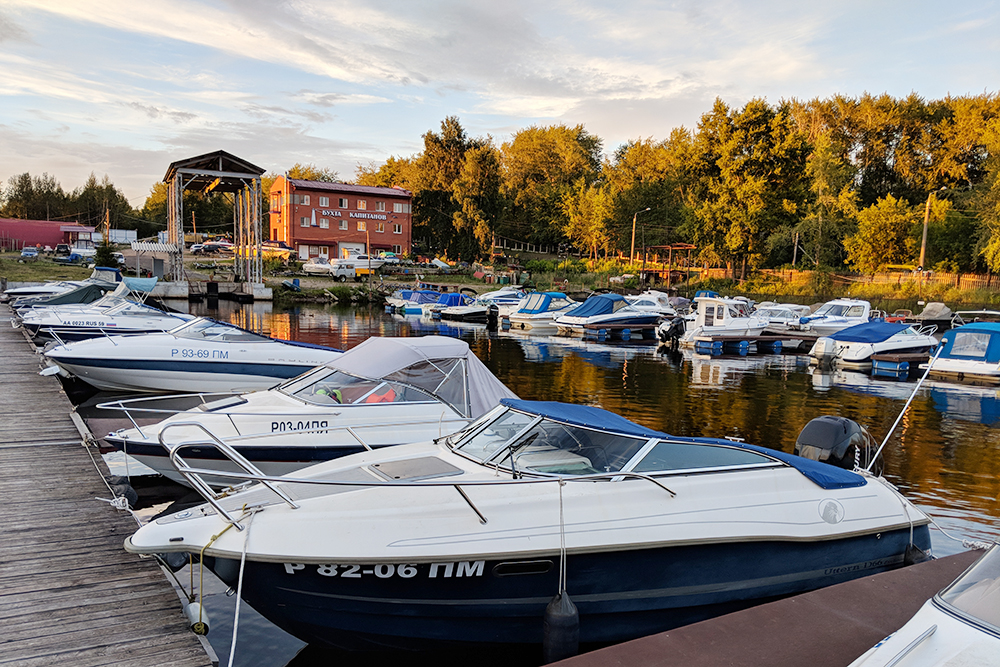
<point x="599" y="304"/>
<point x="453" y="299"/>
<point x="822" y="474"/>
<point x="875" y="331"/>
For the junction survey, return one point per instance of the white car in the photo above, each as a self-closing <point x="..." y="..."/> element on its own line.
<point x="322" y="266"/>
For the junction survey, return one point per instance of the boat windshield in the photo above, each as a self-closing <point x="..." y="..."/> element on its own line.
<point x="840" y="310"/>
<point x="205" y="329"/>
<point x="522" y="442"/>
<point x="977" y="592"/>
<point x="327" y="386"/>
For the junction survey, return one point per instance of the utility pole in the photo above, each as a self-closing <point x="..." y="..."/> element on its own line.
<point x="631" y="255"/>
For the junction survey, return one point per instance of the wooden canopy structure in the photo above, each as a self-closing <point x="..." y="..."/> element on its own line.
<point x="218" y="172"/>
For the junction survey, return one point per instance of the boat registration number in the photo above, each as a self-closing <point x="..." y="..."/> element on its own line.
<point x="389" y="570"/>
<point x="193" y="353"/>
<point x="87" y="323"/>
<point x="315" y="425"/>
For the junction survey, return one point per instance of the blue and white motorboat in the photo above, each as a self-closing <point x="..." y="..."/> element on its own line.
<point x="971" y="353"/>
<point x="384" y="391"/>
<point x="958" y="626"/>
<point x="538" y="312"/>
<point x="200" y="355"/>
<point x="101" y="275"/>
<point x="445" y="300"/>
<point x="835" y="315"/>
<point x="505" y="300"/>
<point x="720" y="316"/>
<point x="411" y="302"/>
<point x="610" y="310"/>
<point x="465" y="539"/>
<point x="119" y="312"/>
<point x="853" y="347"/>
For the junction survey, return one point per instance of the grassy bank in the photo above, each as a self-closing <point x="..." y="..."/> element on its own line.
<point x="38" y="270"/>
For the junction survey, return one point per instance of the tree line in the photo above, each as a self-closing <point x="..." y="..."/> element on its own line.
<point x="825" y="183"/>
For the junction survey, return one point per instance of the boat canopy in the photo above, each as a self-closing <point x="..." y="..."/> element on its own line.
<point x="599" y="304"/>
<point x="979" y="341"/>
<point x="144" y="285"/>
<point x="441" y="366"/>
<point x="821" y="474"/>
<point x="453" y="299"/>
<point x="541" y="302"/>
<point x="89" y="292"/>
<point x="876" y="331"/>
<point x="105" y="274"/>
<point x="422" y="296"/>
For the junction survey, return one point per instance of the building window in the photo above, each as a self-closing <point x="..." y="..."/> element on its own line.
<point x="397" y="208"/>
<point x="276" y="203"/>
<point x="343" y="224"/>
<point x="305" y="199"/>
<point x="343" y="202"/>
<point x="362" y="226"/>
<point x="379" y="226"/>
<point x="324" y="201"/>
<point x="362" y="205"/>
<point x="303" y="221"/>
<point x="380" y="206"/>
<point x="324" y="223"/>
<point x="398" y="249"/>
<point x="397" y="228"/>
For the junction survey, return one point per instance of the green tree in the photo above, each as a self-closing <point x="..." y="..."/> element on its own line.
<point x="831" y="215"/>
<point x="752" y="170"/>
<point x="310" y="172"/>
<point x="477" y="193"/>
<point x="210" y="213"/>
<point x="883" y="236"/>
<point x="540" y="165"/>
<point x="30" y="197"/>
<point x="587" y="209"/>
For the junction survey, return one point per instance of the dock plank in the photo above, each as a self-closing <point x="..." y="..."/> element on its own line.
<point x="69" y="592"/>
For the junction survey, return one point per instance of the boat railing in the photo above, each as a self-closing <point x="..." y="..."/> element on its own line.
<point x="442" y="420"/>
<point x="124" y="405"/>
<point x="251" y="474"/>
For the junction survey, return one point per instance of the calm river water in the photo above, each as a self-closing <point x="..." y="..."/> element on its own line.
<point x="945" y="454"/>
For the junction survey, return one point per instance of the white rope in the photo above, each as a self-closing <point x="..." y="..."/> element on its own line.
<point x="118" y="502"/>
<point x="239" y="589"/>
<point x="968" y="544"/>
<point x="562" y="541"/>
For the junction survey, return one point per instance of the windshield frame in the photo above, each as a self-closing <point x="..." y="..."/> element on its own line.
<point x="990" y="559"/>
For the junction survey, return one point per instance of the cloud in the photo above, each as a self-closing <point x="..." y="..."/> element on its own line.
<point x="10" y="31"/>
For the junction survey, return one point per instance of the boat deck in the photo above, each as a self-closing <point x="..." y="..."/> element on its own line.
<point x="69" y="593"/>
<point x="830" y="627"/>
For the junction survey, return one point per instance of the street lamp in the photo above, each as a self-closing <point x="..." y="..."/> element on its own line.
<point x="927" y="216"/>
<point x="631" y="255"/>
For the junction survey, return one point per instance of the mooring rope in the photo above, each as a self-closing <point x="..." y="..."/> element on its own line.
<point x="239" y="588"/>
<point x="562" y="540"/>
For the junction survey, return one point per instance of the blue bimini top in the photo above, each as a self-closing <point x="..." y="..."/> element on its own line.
<point x="822" y="474"/>
<point x="599" y="304"/>
<point x="875" y="331"/>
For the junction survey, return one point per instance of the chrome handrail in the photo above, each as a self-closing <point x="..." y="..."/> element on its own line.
<point x="199" y="485"/>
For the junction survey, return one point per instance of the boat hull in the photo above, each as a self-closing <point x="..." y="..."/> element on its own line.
<point x="620" y="595"/>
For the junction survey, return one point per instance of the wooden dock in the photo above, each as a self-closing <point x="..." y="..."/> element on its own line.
<point x="69" y="593"/>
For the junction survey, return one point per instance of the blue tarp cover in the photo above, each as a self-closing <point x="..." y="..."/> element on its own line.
<point x="599" y="304"/>
<point x="453" y="299"/>
<point x="140" y="284"/>
<point x="992" y="352"/>
<point x="821" y="474"/>
<point x="875" y="331"/>
<point x="539" y="303"/>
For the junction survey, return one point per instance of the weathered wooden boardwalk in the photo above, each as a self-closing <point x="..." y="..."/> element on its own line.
<point x="69" y="593"/>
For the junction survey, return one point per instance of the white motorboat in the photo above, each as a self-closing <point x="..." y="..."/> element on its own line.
<point x="464" y="540"/>
<point x="120" y="312"/>
<point x="100" y="275"/>
<point x="538" y="312"/>
<point x="853" y="347"/>
<point x="971" y="353"/>
<point x="385" y="391"/>
<point x="604" y="310"/>
<point x="200" y="355"/>
<point x="653" y="301"/>
<point x="505" y="300"/>
<point x="958" y="626"/>
<point x="835" y="315"/>
<point x="411" y="301"/>
<point x="720" y="316"/>
<point x="782" y="318"/>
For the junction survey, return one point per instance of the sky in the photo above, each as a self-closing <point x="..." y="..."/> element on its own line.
<point x="123" y="88"/>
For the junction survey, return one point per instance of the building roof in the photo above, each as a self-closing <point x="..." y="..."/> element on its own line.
<point x="349" y="188"/>
<point x="219" y="171"/>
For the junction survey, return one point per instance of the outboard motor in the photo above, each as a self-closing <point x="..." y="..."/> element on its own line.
<point x="492" y="317"/>
<point x="838" y="441"/>
<point x="671" y="335"/>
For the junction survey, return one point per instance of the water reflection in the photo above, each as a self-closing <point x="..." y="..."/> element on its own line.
<point x="945" y="454"/>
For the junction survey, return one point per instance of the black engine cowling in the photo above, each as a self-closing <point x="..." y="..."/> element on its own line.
<point x="838" y="441"/>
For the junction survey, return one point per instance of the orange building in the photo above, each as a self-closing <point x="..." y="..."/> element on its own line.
<point x="335" y="220"/>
